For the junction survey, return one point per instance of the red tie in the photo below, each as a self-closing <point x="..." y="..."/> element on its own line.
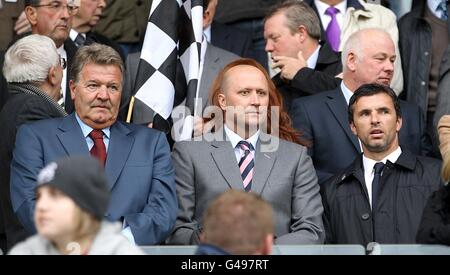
<point x="98" y="150"/>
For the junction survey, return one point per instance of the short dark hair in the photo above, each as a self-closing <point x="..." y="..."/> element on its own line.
<point x="373" y="89"/>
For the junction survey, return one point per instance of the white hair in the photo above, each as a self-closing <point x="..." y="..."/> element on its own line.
<point x="30" y="59"/>
<point x="356" y="42"/>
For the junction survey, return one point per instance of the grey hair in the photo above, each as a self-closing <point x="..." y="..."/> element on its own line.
<point x="30" y="59"/>
<point x="95" y="54"/>
<point x="355" y="44"/>
<point x="297" y="13"/>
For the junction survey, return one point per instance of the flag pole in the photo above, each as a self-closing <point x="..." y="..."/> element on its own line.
<point x="130" y="109"/>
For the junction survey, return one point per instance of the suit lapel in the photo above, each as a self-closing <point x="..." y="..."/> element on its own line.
<point x="338" y="106"/>
<point x="119" y="148"/>
<point x="225" y="160"/>
<point x="264" y="162"/>
<point x="71" y="137"/>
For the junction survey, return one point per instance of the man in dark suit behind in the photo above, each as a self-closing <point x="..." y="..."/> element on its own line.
<point x="136" y="159"/>
<point x="86" y="19"/>
<point x="34" y="73"/>
<point x="368" y="57"/>
<point x="308" y="66"/>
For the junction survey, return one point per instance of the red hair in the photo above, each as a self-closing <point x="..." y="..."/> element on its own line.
<point x="286" y="131"/>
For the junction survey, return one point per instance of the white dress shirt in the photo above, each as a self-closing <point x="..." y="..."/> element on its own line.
<point x="235" y="139"/>
<point x="369" y="169"/>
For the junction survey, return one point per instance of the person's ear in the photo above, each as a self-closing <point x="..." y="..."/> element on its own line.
<point x="351" y="61"/>
<point x="32" y="16"/>
<point x="268" y="244"/>
<point x="72" y="89"/>
<point x="53" y="76"/>
<point x="352" y="126"/>
<point x="222" y="101"/>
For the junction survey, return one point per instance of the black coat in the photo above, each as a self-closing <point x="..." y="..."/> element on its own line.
<point x="231" y="39"/>
<point x="311" y="81"/>
<point x="415" y="49"/>
<point x="405" y="188"/>
<point x="435" y="225"/>
<point x="20" y="108"/>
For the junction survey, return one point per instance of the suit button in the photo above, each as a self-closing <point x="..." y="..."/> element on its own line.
<point x="426" y="53"/>
<point x="136" y="33"/>
<point x="365" y="216"/>
<point x="423" y="83"/>
<point x="139" y="2"/>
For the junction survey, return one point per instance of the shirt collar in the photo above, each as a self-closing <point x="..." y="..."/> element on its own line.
<point x="346" y="91"/>
<point x="235" y="138"/>
<point x="86" y="129"/>
<point x="322" y="7"/>
<point x="73" y="34"/>
<point x="207" y="33"/>
<point x="392" y="157"/>
<point x="312" y="60"/>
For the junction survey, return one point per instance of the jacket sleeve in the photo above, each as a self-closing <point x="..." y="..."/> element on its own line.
<point x="307" y="210"/>
<point x="187" y="230"/>
<point x="26" y="163"/>
<point x="433" y="229"/>
<point x="155" y="222"/>
<point x="309" y="81"/>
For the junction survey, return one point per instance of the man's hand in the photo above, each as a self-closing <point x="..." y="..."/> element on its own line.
<point x="289" y="66"/>
<point x="22" y="25"/>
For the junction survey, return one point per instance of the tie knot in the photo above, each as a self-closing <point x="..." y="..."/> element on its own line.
<point x="96" y="134"/>
<point x="246" y="146"/>
<point x="332" y="11"/>
<point x="80" y="40"/>
<point x="378" y="167"/>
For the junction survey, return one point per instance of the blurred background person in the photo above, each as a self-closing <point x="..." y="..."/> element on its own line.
<point x="237" y="223"/>
<point x="72" y="198"/>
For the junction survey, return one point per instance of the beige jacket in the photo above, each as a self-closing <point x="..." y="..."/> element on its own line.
<point x="374" y="16"/>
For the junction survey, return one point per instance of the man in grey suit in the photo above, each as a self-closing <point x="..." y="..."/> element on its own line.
<point x="242" y="154"/>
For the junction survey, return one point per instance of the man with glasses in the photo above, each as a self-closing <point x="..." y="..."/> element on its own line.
<point x="33" y="70"/>
<point x="136" y="159"/>
<point x="54" y="19"/>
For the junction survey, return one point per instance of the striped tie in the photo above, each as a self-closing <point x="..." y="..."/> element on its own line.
<point x="246" y="165"/>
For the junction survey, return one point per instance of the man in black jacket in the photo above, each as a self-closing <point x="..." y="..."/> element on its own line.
<point x="34" y="72"/>
<point x="381" y="196"/>
<point x="308" y="66"/>
<point x="423" y="40"/>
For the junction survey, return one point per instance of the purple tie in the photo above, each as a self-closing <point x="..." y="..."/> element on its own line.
<point x="333" y="31"/>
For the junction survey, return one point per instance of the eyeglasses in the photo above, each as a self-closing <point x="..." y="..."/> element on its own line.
<point x="58" y="7"/>
<point x="63" y="63"/>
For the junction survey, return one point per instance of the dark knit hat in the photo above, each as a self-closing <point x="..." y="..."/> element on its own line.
<point x="82" y="179"/>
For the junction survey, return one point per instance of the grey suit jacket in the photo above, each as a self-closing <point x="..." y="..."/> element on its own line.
<point x="215" y="60"/>
<point x="284" y="177"/>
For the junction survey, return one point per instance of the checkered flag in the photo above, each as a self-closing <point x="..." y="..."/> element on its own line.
<point x="168" y="71"/>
